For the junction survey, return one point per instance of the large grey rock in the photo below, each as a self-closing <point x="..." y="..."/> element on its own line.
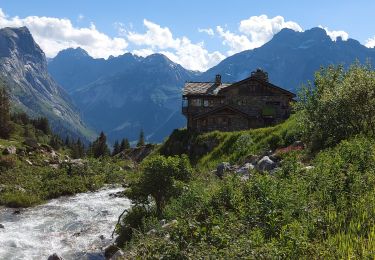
<point x="2" y="226"/>
<point x="10" y="150"/>
<point x="222" y="168"/>
<point x="245" y="169"/>
<point x="118" y="255"/>
<point x="265" y="164"/>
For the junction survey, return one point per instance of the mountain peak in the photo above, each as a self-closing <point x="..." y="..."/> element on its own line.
<point x="317" y="33"/>
<point x="18" y="42"/>
<point x="73" y="53"/>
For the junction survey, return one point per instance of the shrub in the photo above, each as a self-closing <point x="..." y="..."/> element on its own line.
<point x="339" y="106"/>
<point x="159" y="178"/>
<point x="7" y="162"/>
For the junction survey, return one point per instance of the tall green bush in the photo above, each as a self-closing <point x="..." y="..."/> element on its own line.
<point x="339" y="105"/>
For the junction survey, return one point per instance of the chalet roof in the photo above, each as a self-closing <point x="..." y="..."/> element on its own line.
<point x="203" y="88"/>
<point x="212" y="89"/>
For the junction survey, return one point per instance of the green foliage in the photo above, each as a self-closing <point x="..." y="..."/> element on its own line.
<point x="326" y="211"/>
<point x="5" y="123"/>
<point x="7" y="162"/>
<point x="236" y="146"/>
<point x="124" y="144"/>
<point x="24" y="185"/>
<point x="340" y="105"/>
<point x="116" y="148"/>
<point x="99" y="147"/>
<point x="42" y="124"/>
<point x="78" y="149"/>
<point x="141" y="139"/>
<point x="159" y="179"/>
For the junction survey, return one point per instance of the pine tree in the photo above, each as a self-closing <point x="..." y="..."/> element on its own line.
<point x="141" y="140"/>
<point x="55" y="142"/>
<point x="67" y="141"/>
<point x="5" y="123"/>
<point x="124" y="144"/>
<point x="81" y="148"/>
<point x="99" y="147"/>
<point x="116" y="148"/>
<point x="78" y="149"/>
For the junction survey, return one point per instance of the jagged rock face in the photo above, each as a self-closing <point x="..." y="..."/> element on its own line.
<point x="23" y="67"/>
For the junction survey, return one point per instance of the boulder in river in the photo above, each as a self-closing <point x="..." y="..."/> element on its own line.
<point x="2" y="226"/>
<point x="17" y="212"/>
<point x="55" y="257"/>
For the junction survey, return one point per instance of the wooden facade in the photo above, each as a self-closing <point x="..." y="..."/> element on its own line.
<point x="250" y="103"/>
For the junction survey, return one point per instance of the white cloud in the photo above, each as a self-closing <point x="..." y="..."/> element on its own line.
<point x="80" y="17"/>
<point x="143" y="52"/>
<point x="236" y="43"/>
<point x="370" y="43"/>
<point x="54" y="34"/>
<point x="209" y="31"/>
<point x="255" y="31"/>
<point x="334" y="34"/>
<point x="180" y="50"/>
<point x="121" y="29"/>
<point x="260" y="29"/>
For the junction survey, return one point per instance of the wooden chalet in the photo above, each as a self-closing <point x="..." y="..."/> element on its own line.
<point x="250" y="103"/>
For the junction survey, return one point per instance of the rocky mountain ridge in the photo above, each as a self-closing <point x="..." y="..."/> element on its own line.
<point x="23" y="69"/>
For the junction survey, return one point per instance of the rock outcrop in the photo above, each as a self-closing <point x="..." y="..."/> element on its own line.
<point x="23" y="68"/>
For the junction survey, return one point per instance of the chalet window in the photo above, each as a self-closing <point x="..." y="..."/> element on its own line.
<point x="274" y="103"/>
<point x="205" y="103"/>
<point x="196" y="102"/>
<point x="184" y="102"/>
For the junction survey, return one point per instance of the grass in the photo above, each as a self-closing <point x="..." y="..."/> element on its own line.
<point x="214" y="147"/>
<point x="326" y="212"/>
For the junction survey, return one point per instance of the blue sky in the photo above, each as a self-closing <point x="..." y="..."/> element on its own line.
<point x="196" y="34"/>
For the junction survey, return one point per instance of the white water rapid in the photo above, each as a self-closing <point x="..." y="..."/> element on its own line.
<point x="76" y="227"/>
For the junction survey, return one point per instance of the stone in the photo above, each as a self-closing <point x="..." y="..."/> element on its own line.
<point x="245" y="169"/>
<point x="118" y="255"/>
<point x="298" y="144"/>
<point x="170" y="224"/>
<point x="222" y="168"/>
<point x="54" y="166"/>
<point x="308" y="168"/>
<point x="110" y="251"/>
<point x="151" y="231"/>
<point x="77" y="162"/>
<point x="28" y="162"/>
<point x="17" y="212"/>
<point x="10" y="150"/>
<point x="265" y="164"/>
<point x="2" y="226"/>
<point x="55" y="257"/>
<point x="252" y="159"/>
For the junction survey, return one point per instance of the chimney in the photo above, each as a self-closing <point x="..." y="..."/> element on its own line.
<point x="260" y="74"/>
<point x="218" y="80"/>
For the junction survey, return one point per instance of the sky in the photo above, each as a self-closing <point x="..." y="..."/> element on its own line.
<point x="195" y="34"/>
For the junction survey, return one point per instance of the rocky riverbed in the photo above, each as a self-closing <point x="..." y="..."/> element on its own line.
<point x="76" y="227"/>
